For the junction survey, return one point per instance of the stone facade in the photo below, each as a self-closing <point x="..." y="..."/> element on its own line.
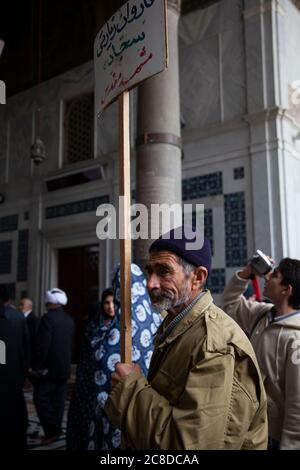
<point x="240" y="116"/>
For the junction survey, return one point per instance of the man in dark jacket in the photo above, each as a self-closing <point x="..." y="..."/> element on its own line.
<point x="18" y="323"/>
<point x="13" y="414"/>
<point x="32" y="323"/>
<point x="52" y="363"/>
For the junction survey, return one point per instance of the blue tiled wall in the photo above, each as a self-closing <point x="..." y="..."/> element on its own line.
<point x="216" y="281"/>
<point x="5" y="257"/>
<point x="22" y="267"/>
<point x="235" y="229"/>
<point x="9" y="223"/>
<point x="239" y="173"/>
<point x="202" y="186"/>
<point x="208" y="226"/>
<point x="77" y="207"/>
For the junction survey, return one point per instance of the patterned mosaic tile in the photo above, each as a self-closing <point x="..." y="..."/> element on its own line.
<point x="239" y="173"/>
<point x="208" y="226"/>
<point x="235" y="229"/>
<point x="77" y="207"/>
<point x="5" y="257"/>
<point x="22" y="267"/>
<point x="9" y="223"/>
<point x="202" y="186"/>
<point x="216" y="281"/>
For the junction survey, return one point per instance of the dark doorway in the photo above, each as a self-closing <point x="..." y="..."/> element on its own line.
<point x="78" y="277"/>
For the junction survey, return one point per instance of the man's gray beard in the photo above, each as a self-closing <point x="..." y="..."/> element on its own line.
<point x="167" y="303"/>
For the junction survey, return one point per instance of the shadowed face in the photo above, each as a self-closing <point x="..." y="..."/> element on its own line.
<point x="25" y="305"/>
<point x="108" y="306"/>
<point x="168" y="285"/>
<point x="273" y="285"/>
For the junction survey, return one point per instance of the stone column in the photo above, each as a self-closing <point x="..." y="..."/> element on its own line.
<point x="34" y="256"/>
<point x="158" y="163"/>
<point x="264" y="23"/>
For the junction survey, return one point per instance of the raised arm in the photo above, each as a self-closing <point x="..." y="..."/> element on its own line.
<point x="244" y="312"/>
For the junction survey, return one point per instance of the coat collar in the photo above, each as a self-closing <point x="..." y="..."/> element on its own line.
<point x="191" y="317"/>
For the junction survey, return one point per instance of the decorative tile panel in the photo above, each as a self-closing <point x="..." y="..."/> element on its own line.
<point x="22" y="268"/>
<point x="9" y="223"/>
<point x="235" y="229"/>
<point x="216" y="281"/>
<point x="5" y="257"/>
<point x="208" y="226"/>
<point x="239" y="173"/>
<point x="202" y="186"/>
<point x="73" y="208"/>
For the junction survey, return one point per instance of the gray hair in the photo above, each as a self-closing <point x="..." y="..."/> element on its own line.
<point x="187" y="267"/>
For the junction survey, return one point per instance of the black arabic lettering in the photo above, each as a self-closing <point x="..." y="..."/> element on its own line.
<point x="109" y="30"/>
<point x="113" y="29"/>
<point x="120" y="28"/>
<point x="109" y="62"/>
<point x="124" y="46"/>
<point x="127" y="44"/>
<point x="148" y="4"/>
<point x="103" y="44"/>
<point x="99" y="38"/>
<point x="141" y="37"/>
<point x="134" y="13"/>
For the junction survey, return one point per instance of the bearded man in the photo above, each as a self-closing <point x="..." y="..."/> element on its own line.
<point x="204" y="389"/>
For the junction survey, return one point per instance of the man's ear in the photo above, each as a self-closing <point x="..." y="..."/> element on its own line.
<point x="199" y="278"/>
<point x="288" y="290"/>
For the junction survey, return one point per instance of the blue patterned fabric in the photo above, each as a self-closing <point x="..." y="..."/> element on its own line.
<point x="104" y="352"/>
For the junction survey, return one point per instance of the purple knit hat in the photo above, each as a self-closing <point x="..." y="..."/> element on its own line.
<point x="180" y="241"/>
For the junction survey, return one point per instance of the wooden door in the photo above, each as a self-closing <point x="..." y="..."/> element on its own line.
<point x="78" y="277"/>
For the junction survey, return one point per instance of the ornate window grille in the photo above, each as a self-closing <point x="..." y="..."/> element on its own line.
<point x="79" y="129"/>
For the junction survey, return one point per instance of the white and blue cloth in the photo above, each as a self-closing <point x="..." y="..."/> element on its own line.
<point x="103" y="353"/>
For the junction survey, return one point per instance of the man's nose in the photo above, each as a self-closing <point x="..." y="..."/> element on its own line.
<point x="267" y="276"/>
<point x="153" y="282"/>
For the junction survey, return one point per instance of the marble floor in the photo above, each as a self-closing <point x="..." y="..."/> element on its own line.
<point x="35" y="431"/>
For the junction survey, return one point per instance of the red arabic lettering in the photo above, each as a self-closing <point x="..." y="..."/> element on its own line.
<point x="118" y="82"/>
